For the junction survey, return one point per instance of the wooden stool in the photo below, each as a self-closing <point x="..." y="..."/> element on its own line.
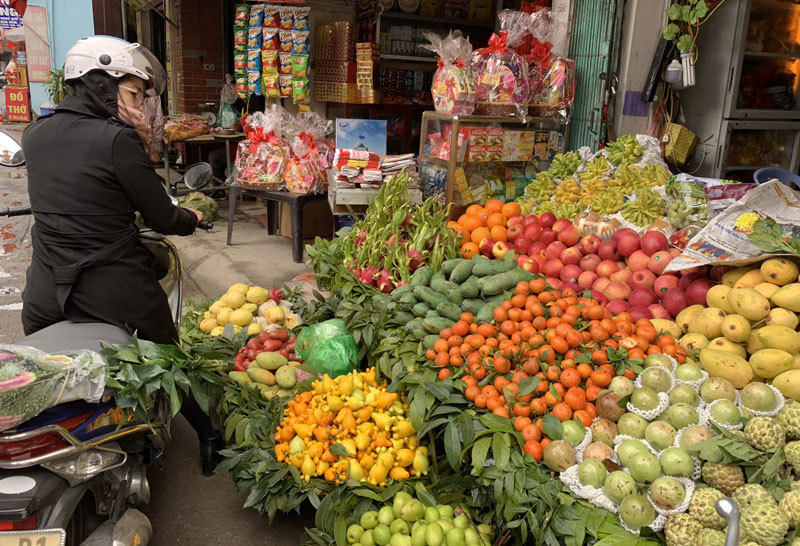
<point x="296" y="204"/>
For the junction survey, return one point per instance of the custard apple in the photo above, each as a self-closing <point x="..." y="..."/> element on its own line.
<point x="789" y="419"/>
<point x="792" y="451"/>
<point x="702" y="507"/>
<point x="764" y="523"/>
<point x="764" y="433"/>
<point x="681" y="529"/>
<point x="751" y="493"/>
<point x="710" y="537"/>
<point x="725" y="477"/>
<point x="790" y="504"/>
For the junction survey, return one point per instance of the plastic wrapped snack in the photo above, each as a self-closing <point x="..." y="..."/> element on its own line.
<point x="501" y="76"/>
<point x="301" y="18"/>
<point x="271" y="41"/>
<point x="305" y="172"/>
<point x="285" y="63"/>
<point x="299" y="89"/>
<point x="285" y="85"/>
<point x="285" y="41"/>
<point x="254" y="82"/>
<point x="300" y="42"/>
<point x="270" y="17"/>
<point x="453" y="86"/>
<point x="286" y="18"/>
<point x="261" y="158"/>
<point x="254" y="39"/>
<point x="300" y="66"/>
<point x="32" y="381"/>
<point x="270" y="82"/>
<point x="269" y="62"/>
<point x="256" y="16"/>
<point x="241" y="16"/>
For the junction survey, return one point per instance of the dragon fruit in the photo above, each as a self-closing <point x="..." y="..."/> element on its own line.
<point x="384" y="281"/>
<point x="20" y="380"/>
<point x="275" y="295"/>
<point x="416" y="259"/>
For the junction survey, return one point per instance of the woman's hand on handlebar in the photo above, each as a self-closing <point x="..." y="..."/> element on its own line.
<point x="196" y="213"/>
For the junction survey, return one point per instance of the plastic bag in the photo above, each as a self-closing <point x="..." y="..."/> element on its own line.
<point x="32" y="381"/>
<point x="501" y="75"/>
<point x="261" y="158"/>
<point x="226" y="118"/>
<point x="686" y="201"/>
<point x="305" y="172"/>
<point x="328" y="347"/>
<point x="453" y="86"/>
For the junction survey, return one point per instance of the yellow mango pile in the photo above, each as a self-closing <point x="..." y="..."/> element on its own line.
<point x="350" y="428"/>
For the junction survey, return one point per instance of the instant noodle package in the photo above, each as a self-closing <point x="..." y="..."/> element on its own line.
<point x="453" y="87"/>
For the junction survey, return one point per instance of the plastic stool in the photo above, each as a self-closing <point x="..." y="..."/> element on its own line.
<point x="768" y="173"/>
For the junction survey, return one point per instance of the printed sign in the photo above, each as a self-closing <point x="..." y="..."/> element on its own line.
<point x="37" y="44"/>
<point x="9" y="18"/>
<point x="17" y="104"/>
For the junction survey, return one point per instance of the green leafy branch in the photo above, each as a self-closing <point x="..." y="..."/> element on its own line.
<point x="685" y="18"/>
<point x="768" y="236"/>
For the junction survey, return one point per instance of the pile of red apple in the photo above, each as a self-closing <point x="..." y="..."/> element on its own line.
<point x="625" y="273"/>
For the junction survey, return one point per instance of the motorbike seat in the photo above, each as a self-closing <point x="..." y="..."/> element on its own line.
<point x="72" y="336"/>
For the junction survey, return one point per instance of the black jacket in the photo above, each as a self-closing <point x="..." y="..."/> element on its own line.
<point x="87" y="176"/>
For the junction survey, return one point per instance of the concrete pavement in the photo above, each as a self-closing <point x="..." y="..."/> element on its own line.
<point x="186" y="508"/>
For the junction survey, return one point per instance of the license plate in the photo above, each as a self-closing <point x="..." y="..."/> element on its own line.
<point x="45" y="537"/>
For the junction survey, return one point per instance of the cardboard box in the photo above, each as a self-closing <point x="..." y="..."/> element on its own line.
<point x="494" y="136"/>
<point x="335" y="71"/>
<point x="317" y="221"/>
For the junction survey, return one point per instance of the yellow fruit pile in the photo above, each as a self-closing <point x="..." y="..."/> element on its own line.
<point x="250" y="307"/>
<point x="350" y="428"/>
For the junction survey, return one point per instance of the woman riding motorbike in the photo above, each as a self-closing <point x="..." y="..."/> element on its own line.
<point x="88" y="175"/>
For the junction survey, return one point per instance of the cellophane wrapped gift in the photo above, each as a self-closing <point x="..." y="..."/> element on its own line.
<point x="305" y="171"/>
<point x="453" y="86"/>
<point x="552" y="77"/>
<point x="261" y="159"/>
<point x="501" y="74"/>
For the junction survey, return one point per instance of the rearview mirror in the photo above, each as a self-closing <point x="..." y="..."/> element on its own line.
<point x="10" y="151"/>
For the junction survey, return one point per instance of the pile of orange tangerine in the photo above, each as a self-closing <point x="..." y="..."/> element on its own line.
<point x="482" y="222"/>
<point x="571" y="345"/>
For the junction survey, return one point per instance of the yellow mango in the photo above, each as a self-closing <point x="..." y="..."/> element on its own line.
<point x="668" y="326"/>
<point x="736" y="328"/>
<point x="693" y="342"/>
<point x="727" y="365"/>
<point x="717" y="296"/>
<point x="732" y="277"/>
<point x="787" y="297"/>
<point x="749" y="303"/>
<point x="780" y="337"/>
<point x="265" y="377"/>
<point x="707" y="322"/>
<point x="685" y="316"/>
<point x="789" y="384"/>
<point x="753" y="343"/>
<point x="769" y="363"/>
<point x="779" y="316"/>
<point x="398" y="473"/>
<point x="750" y="279"/>
<point x="796" y="363"/>
<point x="723" y="344"/>
<point x="766" y="289"/>
<point x="780" y="271"/>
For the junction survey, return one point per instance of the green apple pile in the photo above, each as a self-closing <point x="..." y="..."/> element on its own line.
<point x="408" y="522"/>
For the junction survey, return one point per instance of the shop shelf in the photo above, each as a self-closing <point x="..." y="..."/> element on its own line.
<point x="772" y="55"/>
<point x="746" y="167"/>
<point x="409" y="58"/>
<point x="440" y="20"/>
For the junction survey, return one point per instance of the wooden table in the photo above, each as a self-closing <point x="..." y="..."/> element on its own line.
<point x="205" y="139"/>
<point x="295" y="201"/>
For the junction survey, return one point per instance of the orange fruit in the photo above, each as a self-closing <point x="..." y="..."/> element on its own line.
<point x="479" y="235"/>
<point x="531" y="432"/>
<point x="562" y="411"/>
<point x="495" y="219"/>
<point x="499" y="233"/>
<point x="511" y="209"/>
<point x="468" y="250"/>
<point x="475" y="210"/>
<point x="471" y="223"/>
<point x="575" y="398"/>
<point x="495" y="205"/>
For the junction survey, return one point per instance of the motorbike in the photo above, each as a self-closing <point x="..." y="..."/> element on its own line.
<point x="75" y="473"/>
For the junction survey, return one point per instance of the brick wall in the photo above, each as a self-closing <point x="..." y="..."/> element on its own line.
<point x="199" y="42"/>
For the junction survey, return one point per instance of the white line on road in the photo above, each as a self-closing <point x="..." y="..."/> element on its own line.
<point x="11" y="307"/>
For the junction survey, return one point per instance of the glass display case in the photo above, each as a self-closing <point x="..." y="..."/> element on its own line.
<point x="753" y="145"/>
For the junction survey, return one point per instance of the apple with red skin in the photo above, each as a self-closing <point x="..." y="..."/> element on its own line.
<point x="555" y="283"/>
<point x="606" y="268"/>
<point x="663" y="284"/>
<point x="599" y="297"/>
<point x="486" y="245"/>
<point x="523" y="244"/>
<point x="638" y="261"/>
<point x="554" y="250"/>
<point x="699" y="270"/>
<point x="617" y="306"/>
<point x="644" y="278"/>
<point x="642" y="297"/>
<point x="674" y="252"/>
<point x="608" y="251"/>
<point x="686" y="280"/>
<point x="560" y="224"/>
<point x="620" y="233"/>
<point x="659" y="261"/>
<point x="572" y="286"/>
<point x="623" y="275"/>
<point x="639" y="312"/>
<point x="718" y="271"/>
<point x="571" y="256"/>
<point x="589" y="244"/>
<point x="537" y="248"/>
<point x="500" y="249"/>
<point x="530" y="265"/>
<point x="553" y="268"/>
<point x="617" y="291"/>
<point x="628" y="244"/>
<point x="587" y="278"/>
<point x="533" y="231"/>
<point x="539" y="259"/>
<point x="515" y="219"/>
<point x="590" y="262"/>
<point x="570" y="273"/>
<point x="530" y="220"/>
<point x="548" y="236"/>
<point x="659" y="312"/>
<point x="521" y="258"/>
<point x="570" y="235"/>
<point x="547" y="219"/>
<point x="674" y="301"/>
<point x="514" y="231"/>
<point x="653" y="241"/>
<point x="696" y="293"/>
<point x="600" y="283"/>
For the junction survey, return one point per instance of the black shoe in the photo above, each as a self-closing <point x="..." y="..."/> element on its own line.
<point x="209" y="453"/>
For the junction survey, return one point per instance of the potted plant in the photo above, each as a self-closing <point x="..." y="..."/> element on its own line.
<point x="56" y="90"/>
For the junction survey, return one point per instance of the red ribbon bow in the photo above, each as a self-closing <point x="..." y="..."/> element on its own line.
<point x="258" y="135"/>
<point x="496" y="43"/>
<point x="540" y="52"/>
<point x="308" y="140"/>
<point x="457" y="62"/>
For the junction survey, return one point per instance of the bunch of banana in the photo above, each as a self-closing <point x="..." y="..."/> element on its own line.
<point x="591" y="189"/>
<point x="567" y="192"/>
<point x="646" y="209"/>
<point x="569" y="210"/>
<point x="655" y="175"/>
<point x="564" y="165"/>
<point x="542" y="188"/>
<point x="627" y="179"/>
<point x="546" y="206"/>
<point x="608" y="202"/>
<point x="597" y="168"/>
<point x="624" y="150"/>
<point x="526" y="207"/>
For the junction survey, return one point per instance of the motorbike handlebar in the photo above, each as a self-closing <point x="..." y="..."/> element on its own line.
<point x="205" y="224"/>
<point x="19" y="211"/>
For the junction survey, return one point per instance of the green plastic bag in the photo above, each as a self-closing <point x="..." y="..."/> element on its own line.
<point x="328" y="348"/>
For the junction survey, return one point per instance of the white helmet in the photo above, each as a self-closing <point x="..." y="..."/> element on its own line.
<point x="117" y="58"/>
